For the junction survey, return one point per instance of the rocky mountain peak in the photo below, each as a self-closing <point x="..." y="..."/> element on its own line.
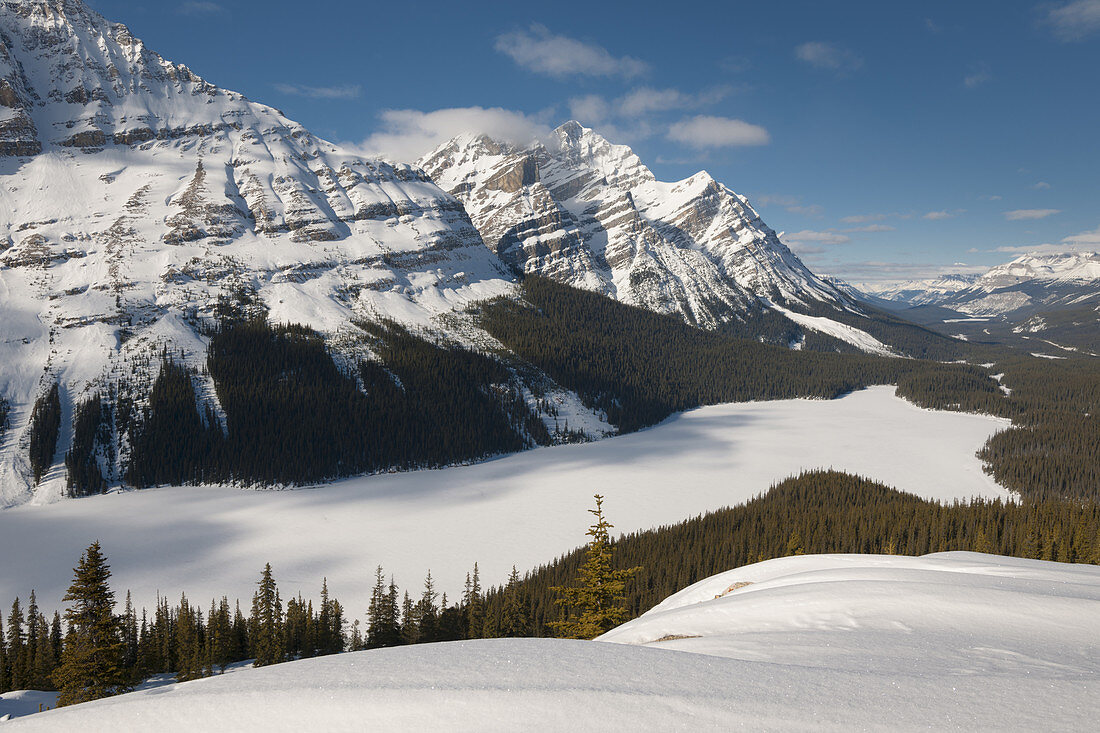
<point x="588" y="212"/>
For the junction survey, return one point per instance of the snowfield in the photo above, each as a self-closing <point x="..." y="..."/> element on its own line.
<point x="523" y="509"/>
<point x="819" y="642"/>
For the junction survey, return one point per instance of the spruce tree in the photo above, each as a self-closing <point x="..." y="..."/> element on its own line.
<point x="513" y="617"/>
<point x="91" y="660"/>
<point x="17" y="677"/>
<point x="5" y="679"/>
<point x="595" y="606"/>
<point x="266" y="622"/>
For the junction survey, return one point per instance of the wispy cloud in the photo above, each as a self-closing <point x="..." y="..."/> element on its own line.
<point x="991" y="197"/>
<point x="871" y="228"/>
<point x="797" y="240"/>
<point x="706" y="131"/>
<point x="861" y="218"/>
<point x="350" y="91"/>
<point x="1074" y="21"/>
<point x="199" y="8"/>
<point x="828" y="56"/>
<point x="938" y="215"/>
<point x="979" y="74"/>
<point x="1025" y="214"/>
<point x="792" y="204"/>
<point x="1041" y="186"/>
<point x="539" y="50"/>
<point x="407" y="134"/>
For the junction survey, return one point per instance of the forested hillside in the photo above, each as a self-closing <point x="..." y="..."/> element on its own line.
<point x="822" y="512"/>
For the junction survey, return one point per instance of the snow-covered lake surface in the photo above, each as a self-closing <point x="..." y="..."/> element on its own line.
<point x="523" y="509"/>
<point x="820" y="642"/>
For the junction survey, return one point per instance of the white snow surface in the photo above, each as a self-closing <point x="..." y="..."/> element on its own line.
<point x="842" y="331"/>
<point x="523" y="509"/>
<point x="827" y="642"/>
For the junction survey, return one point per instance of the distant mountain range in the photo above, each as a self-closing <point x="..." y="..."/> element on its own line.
<point x="1052" y="298"/>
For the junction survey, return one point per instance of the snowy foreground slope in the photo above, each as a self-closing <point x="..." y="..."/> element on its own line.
<point x="522" y="509"/>
<point x="826" y="642"/>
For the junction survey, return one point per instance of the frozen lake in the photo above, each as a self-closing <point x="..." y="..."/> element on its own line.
<point x="523" y="509"/>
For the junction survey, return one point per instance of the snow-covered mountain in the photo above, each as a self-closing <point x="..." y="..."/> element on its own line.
<point x="583" y="211"/>
<point x="139" y="199"/>
<point x="919" y="292"/>
<point x="1028" y="283"/>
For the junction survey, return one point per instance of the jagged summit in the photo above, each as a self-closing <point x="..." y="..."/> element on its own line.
<point x="587" y="212"/>
<point x="141" y="200"/>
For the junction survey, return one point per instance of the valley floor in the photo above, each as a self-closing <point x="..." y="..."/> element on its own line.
<point x="522" y="509"/>
<point x="818" y="642"/>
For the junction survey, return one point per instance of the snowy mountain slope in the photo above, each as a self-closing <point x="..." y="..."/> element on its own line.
<point x="583" y="211"/>
<point x="139" y="200"/>
<point x="827" y="642"/>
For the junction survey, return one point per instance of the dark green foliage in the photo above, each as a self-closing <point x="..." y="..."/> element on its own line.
<point x="819" y="512"/>
<point x="91" y="430"/>
<point x="593" y="606"/>
<point x="44" y="428"/>
<point x="171" y="444"/>
<point x="266" y="622"/>
<point x="954" y="386"/>
<point x="639" y="366"/>
<point x="292" y="416"/>
<point x="1053" y="447"/>
<point x="92" y="657"/>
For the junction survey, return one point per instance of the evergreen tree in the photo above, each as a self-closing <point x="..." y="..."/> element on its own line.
<point x="5" y="678"/>
<point x="266" y="622"/>
<point x="383" y="624"/>
<point x="475" y="605"/>
<point x="513" y="619"/>
<point x="91" y="660"/>
<point x="17" y="674"/>
<point x="596" y="605"/>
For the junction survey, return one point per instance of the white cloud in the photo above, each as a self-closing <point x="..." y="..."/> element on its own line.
<point x="991" y="197"/>
<point x="828" y="56"/>
<point x="1076" y="20"/>
<point x="646" y="99"/>
<point x="809" y="235"/>
<point x="407" y="134"/>
<point x="349" y="91"/>
<point x="1041" y="186"/>
<point x="937" y="215"/>
<point x="810" y="210"/>
<point x="864" y="218"/>
<point x="591" y="109"/>
<point x="539" y="50"/>
<point x="706" y="131"/>
<point x="1089" y="240"/>
<point x="1023" y="214"/>
<point x="979" y="74"/>
<point x="199" y="8"/>
<point x="872" y="228"/>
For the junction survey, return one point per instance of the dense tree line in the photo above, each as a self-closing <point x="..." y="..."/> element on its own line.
<point x="292" y="416"/>
<point x="821" y="512"/>
<point x="44" y="428"/>
<point x="91" y="435"/>
<point x="1053" y="447"/>
<point x="639" y="366"/>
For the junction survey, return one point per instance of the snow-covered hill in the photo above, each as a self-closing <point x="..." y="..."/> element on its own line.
<point x="826" y="642"/>
<point x="139" y="199"/>
<point x="583" y="211"/>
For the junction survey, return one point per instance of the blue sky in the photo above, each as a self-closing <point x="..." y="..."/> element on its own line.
<point x="886" y="139"/>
